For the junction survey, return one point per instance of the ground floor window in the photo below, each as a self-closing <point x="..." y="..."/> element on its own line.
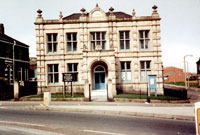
<point x="126" y="71"/>
<point x="53" y="73"/>
<point x="73" y="68"/>
<point x="145" y="70"/>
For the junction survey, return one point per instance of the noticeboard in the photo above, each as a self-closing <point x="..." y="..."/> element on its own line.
<point x="67" y="77"/>
<point x="152" y="84"/>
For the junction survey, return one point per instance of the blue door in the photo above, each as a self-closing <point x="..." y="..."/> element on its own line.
<point x="100" y="80"/>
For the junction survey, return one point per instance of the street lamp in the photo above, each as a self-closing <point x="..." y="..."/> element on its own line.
<point x="185" y="69"/>
<point x="14" y="63"/>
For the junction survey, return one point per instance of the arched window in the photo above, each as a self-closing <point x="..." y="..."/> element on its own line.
<point x="99" y="69"/>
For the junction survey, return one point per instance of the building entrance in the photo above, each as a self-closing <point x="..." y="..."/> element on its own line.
<point x="99" y="76"/>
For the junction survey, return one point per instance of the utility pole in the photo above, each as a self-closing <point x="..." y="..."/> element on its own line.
<point x="186" y="70"/>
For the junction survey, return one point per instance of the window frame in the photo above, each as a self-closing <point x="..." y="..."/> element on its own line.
<point x="73" y="71"/>
<point x="72" y="42"/>
<point x="53" y="73"/>
<point x="124" y="40"/>
<point x="95" y="40"/>
<point x="144" y="39"/>
<point x="145" y="70"/>
<point x="52" y="43"/>
<point x="126" y="71"/>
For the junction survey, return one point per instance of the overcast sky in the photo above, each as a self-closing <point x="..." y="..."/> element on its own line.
<point x="180" y="24"/>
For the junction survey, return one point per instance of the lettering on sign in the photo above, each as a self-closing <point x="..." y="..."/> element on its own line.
<point x="67" y="77"/>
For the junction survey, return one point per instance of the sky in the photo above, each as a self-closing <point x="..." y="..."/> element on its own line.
<point x="180" y="22"/>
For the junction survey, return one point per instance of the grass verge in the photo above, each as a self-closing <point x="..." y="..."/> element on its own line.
<point x="57" y="96"/>
<point x="183" y="84"/>
<point x="134" y="96"/>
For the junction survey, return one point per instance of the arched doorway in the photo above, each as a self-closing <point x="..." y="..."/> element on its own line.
<point x="99" y="77"/>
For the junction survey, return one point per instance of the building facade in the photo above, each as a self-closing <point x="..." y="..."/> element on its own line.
<point x="111" y="50"/>
<point x="14" y="55"/>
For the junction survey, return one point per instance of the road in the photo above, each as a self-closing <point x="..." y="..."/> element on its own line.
<point x="25" y="122"/>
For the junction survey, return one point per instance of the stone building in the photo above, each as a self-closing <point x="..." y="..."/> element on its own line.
<point x="111" y="50"/>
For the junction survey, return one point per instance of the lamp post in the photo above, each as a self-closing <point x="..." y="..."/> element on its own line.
<point x="14" y="63"/>
<point x="185" y="69"/>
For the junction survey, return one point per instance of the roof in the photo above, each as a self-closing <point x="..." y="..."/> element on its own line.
<point x="7" y="38"/>
<point x="76" y="16"/>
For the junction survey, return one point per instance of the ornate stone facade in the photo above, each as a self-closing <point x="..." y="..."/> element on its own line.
<point x="102" y="49"/>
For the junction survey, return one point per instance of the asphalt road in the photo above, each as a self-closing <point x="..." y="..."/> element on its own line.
<point x="24" y="122"/>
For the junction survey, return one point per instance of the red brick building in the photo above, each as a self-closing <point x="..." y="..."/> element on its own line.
<point x="174" y="74"/>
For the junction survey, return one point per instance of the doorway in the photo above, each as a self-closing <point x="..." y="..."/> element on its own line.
<point x="99" y="75"/>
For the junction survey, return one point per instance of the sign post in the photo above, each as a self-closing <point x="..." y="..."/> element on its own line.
<point x="67" y="77"/>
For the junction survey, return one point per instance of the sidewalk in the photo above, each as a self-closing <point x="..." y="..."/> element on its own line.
<point x="155" y="110"/>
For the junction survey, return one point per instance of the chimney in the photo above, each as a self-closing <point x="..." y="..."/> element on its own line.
<point x="1" y="28"/>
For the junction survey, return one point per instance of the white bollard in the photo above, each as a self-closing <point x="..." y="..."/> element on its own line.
<point x="47" y="98"/>
<point x="197" y="117"/>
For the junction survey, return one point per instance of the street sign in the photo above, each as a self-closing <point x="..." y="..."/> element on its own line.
<point x="152" y="84"/>
<point x="67" y="77"/>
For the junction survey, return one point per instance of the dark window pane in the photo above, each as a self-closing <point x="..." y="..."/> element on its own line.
<point x="48" y="37"/>
<point x="127" y="44"/>
<point x="54" y="47"/>
<point x="99" y="68"/>
<point x="127" y="34"/>
<point x="69" y="48"/>
<point x="68" y="37"/>
<point x="93" y="45"/>
<point x="142" y="65"/>
<point x="141" y="34"/>
<point x="103" y="36"/>
<point x="146" y="34"/>
<point x="50" y="69"/>
<point x="102" y="77"/>
<point x="74" y="36"/>
<point x="142" y="44"/>
<point x="103" y="44"/>
<point x="70" y="67"/>
<point x="54" y="37"/>
<point x="98" y="35"/>
<point x="50" y="78"/>
<point x="122" y="44"/>
<point x="74" y="46"/>
<point x="49" y="47"/>
<point x="56" y="68"/>
<point x="146" y="44"/>
<point x="121" y="35"/>
<point x="148" y="65"/>
<point x="122" y="65"/>
<point x="96" y="77"/>
<point x="56" y="77"/>
<point x="75" y="67"/>
<point x="75" y="77"/>
<point x="128" y="65"/>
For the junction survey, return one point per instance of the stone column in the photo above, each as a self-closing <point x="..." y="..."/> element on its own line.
<point x="87" y="93"/>
<point x="109" y="90"/>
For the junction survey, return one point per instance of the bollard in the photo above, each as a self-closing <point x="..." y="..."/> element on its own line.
<point x="47" y="98"/>
<point x="197" y="117"/>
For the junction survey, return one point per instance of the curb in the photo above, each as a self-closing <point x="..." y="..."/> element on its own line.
<point x="115" y="100"/>
<point x="122" y="113"/>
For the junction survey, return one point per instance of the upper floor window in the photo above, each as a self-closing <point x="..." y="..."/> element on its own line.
<point x="97" y="38"/>
<point x="71" y="42"/>
<point x="126" y="71"/>
<point x="145" y="69"/>
<point x="73" y="68"/>
<point x="144" y="39"/>
<point x="52" y="43"/>
<point x="53" y="73"/>
<point x="124" y="40"/>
